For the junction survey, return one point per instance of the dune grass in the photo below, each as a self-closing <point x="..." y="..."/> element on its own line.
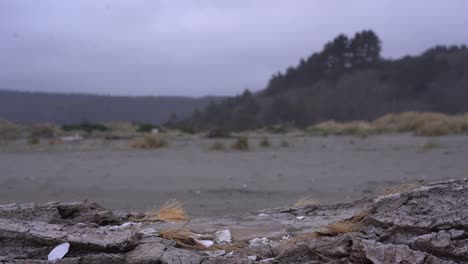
<point x="418" y="123"/>
<point x="149" y="142"/>
<point x="9" y="130"/>
<point x="85" y="126"/>
<point x="356" y="128"/>
<point x="43" y="131"/>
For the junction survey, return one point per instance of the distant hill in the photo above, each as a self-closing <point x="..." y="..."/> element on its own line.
<point x="33" y="107"/>
<point x="348" y="80"/>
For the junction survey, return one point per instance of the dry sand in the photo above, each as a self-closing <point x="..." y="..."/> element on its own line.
<point x="215" y="183"/>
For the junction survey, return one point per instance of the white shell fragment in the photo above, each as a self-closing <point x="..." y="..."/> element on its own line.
<point x="73" y="138"/>
<point x="300" y="217"/>
<point x="263" y="215"/>
<point x="59" y="251"/>
<point x="267" y="260"/>
<point x="255" y="242"/>
<point x="206" y="243"/>
<point x="252" y="258"/>
<point x="223" y="236"/>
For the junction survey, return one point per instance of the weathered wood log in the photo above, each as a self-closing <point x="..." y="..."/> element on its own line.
<point x="426" y="224"/>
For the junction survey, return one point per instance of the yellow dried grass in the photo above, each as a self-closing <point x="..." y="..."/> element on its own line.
<point x="149" y="142"/>
<point x="183" y="238"/>
<point x="305" y="201"/>
<point x="171" y="211"/>
<point x="419" y="123"/>
<point x="402" y="188"/>
<point x="338" y="228"/>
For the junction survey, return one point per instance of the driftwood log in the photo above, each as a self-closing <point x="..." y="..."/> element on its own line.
<point x="422" y="224"/>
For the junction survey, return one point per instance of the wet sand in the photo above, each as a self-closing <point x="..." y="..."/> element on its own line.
<point x="218" y="183"/>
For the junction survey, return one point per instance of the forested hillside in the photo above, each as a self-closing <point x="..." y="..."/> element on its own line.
<point x="348" y="80"/>
<point x="26" y="107"/>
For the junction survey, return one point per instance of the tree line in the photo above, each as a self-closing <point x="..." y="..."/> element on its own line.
<point x="347" y="80"/>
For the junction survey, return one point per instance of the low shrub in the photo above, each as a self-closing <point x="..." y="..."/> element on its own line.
<point x="242" y="143"/>
<point x="9" y="130"/>
<point x="86" y="126"/>
<point x="265" y="142"/>
<point x="33" y="141"/>
<point x="43" y="131"/>
<point x="149" y="142"/>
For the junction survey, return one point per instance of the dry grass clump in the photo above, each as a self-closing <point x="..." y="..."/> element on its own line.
<point x="265" y="142"/>
<point x="339" y="228"/>
<point x="305" y="201"/>
<point x="346" y="226"/>
<point x="236" y="246"/>
<point x="358" y="128"/>
<point x="171" y="211"/>
<point x="334" y="229"/>
<point x="217" y="146"/>
<point x="359" y="216"/>
<point x="150" y="142"/>
<point x="117" y="130"/>
<point x="324" y="129"/>
<point x="43" y="131"/>
<point x="117" y="126"/>
<point x="402" y="188"/>
<point x="242" y="143"/>
<point x="9" y="130"/>
<point x="183" y="237"/>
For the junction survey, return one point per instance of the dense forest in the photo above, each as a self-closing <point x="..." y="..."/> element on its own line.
<point x="34" y="107"/>
<point x="348" y="80"/>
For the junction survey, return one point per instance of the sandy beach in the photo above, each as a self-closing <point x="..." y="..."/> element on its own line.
<point x="226" y="182"/>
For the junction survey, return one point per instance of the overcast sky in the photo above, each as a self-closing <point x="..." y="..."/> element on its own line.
<point x="151" y="47"/>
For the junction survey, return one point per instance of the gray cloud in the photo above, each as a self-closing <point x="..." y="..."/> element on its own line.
<point x="143" y="47"/>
